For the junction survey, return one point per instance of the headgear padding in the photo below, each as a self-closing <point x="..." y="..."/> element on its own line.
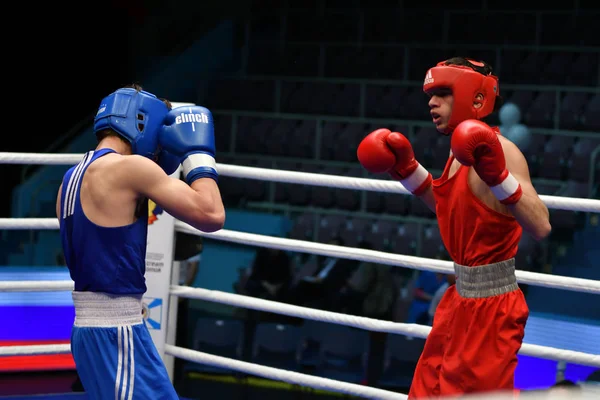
<point x="466" y="84"/>
<point x="136" y="116"/>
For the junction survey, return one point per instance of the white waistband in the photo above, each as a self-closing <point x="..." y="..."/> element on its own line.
<point x="94" y="309"/>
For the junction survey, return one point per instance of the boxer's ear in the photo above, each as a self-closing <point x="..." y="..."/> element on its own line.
<point x="478" y="101"/>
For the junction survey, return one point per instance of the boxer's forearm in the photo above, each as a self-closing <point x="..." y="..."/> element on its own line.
<point x="428" y="198"/>
<point x="532" y="214"/>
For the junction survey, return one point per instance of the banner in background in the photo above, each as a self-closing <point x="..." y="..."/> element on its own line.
<point x="159" y="263"/>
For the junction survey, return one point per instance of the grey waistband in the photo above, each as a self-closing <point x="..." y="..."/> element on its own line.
<point x="93" y="309"/>
<point x="486" y="280"/>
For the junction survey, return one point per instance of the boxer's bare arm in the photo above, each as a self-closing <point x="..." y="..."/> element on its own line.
<point x="428" y="198"/>
<point x="58" y="201"/>
<point x="199" y="205"/>
<point x="530" y="211"/>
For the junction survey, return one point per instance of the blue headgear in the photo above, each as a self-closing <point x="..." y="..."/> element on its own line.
<point x="137" y="116"/>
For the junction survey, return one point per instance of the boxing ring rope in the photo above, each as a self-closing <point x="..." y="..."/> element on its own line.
<point x="560" y="282"/>
<point x="303" y="178"/>
<point x="252" y="239"/>
<point x="370" y="324"/>
<point x="414" y="330"/>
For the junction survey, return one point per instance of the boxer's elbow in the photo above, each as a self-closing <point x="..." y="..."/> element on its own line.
<point x="541" y="230"/>
<point x="212" y="221"/>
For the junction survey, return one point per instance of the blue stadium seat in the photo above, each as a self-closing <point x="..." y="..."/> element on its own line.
<point x="299" y="195"/>
<point x="284" y="191"/>
<point x="301" y="141"/>
<point x="579" y="163"/>
<point x="232" y="189"/>
<point x="343" y="353"/>
<point x="256" y="190"/>
<point x="348" y="139"/>
<point x="542" y="110"/>
<point x="400" y="359"/>
<point x="380" y="234"/>
<point x="349" y="199"/>
<point x="522" y="98"/>
<point x="590" y="114"/>
<point x="583" y="70"/>
<point x="406" y="238"/>
<point x="354" y="230"/>
<point x="276" y="138"/>
<point x="565" y="219"/>
<point x="324" y="196"/>
<point x="303" y="227"/>
<point x="312" y="335"/>
<point x="431" y="243"/>
<point x="222" y="132"/>
<point x="329" y="227"/>
<point x="572" y="106"/>
<point x="386" y="101"/>
<point x="553" y="164"/>
<point x="277" y="345"/>
<point x="556" y="65"/>
<point x="220" y="337"/>
<point x="375" y="200"/>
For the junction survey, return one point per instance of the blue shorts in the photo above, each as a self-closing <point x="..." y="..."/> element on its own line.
<point x="117" y="362"/>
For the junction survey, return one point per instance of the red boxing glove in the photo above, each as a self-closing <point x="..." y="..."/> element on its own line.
<point x="391" y="152"/>
<point x="475" y="144"/>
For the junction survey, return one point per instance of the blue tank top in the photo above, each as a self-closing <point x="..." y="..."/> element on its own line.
<point x="101" y="259"/>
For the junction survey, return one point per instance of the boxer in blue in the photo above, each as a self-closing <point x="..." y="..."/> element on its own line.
<point x="102" y="206"/>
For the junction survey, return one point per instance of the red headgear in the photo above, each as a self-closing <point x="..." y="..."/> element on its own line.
<point x="465" y="84"/>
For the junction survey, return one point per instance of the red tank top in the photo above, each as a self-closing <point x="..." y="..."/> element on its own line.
<point x="472" y="232"/>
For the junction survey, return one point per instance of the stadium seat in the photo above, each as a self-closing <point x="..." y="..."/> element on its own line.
<point x="277" y="345"/>
<point x="221" y="337"/>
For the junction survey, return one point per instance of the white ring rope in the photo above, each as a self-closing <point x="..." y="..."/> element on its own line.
<point x="369" y="324"/>
<point x="555" y="202"/>
<point x="365" y="323"/>
<point x="36" y="349"/>
<point x="36" y="286"/>
<point x="295" y="378"/>
<point x="229" y="363"/>
<point x="380" y="257"/>
<point x="251" y="239"/>
<point x="303" y="178"/>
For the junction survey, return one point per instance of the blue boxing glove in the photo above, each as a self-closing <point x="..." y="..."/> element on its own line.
<point x="168" y="162"/>
<point x="188" y="134"/>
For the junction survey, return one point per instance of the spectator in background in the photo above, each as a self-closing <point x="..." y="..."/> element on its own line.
<point x="369" y="291"/>
<point x="322" y="288"/>
<point x="270" y="275"/>
<point x="426" y="287"/>
<point x="511" y="128"/>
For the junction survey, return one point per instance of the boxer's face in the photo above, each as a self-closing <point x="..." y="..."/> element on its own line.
<point x="440" y="107"/>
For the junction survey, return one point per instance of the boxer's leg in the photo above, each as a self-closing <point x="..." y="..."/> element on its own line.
<point x="151" y="378"/>
<point x="98" y="355"/>
<point x="425" y="382"/>
<point x="486" y="335"/>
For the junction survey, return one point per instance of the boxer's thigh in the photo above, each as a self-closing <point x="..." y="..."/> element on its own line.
<point x="151" y="380"/>
<point x="425" y="381"/>
<point x="485" y="337"/>
<point x="97" y="352"/>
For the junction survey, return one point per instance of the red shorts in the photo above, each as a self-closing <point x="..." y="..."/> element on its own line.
<point x="472" y="346"/>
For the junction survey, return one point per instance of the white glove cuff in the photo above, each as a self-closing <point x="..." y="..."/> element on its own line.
<point x="416" y="179"/>
<point x="198" y="160"/>
<point x="506" y="188"/>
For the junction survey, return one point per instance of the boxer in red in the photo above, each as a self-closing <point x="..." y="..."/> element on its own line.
<point x="483" y="201"/>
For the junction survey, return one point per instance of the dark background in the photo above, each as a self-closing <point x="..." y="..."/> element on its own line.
<point x="62" y="59"/>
